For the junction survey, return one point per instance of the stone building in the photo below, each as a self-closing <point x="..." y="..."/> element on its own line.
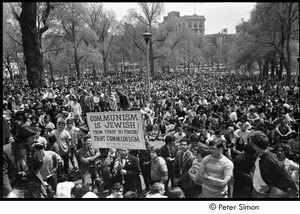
<point x="194" y="22"/>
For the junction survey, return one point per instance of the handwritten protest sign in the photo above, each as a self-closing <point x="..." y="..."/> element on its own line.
<point x="119" y="129"/>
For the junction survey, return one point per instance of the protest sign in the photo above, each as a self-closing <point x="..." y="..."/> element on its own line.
<point x="118" y="129"/>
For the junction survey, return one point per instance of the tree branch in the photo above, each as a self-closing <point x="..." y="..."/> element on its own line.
<point x="165" y="37"/>
<point x="79" y="41"/>
<point x="59" y="49"/>
<point x="14" y="12"/>
<point x="141" y="20"/>
<point x="14" y="39"/>
<point x="176" y="43"/>
<point x="44" y="19"/>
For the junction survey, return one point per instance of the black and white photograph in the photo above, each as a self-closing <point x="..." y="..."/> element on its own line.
<point x="151" y="101"/>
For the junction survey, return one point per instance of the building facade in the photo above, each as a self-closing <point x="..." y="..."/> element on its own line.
<point x="194" y="22"/>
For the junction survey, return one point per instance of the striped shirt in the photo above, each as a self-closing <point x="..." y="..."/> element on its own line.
<point x="217" y="168"/>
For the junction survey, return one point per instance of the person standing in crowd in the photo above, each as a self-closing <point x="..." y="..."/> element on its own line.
<point x="46" y="124"/>
<point x="145" y="165"/>
<point x="217" y="171"/>
<point x="73" y="130"/>
<point x="159" y="170"/>
<point x="103" y="166"/>
<point x="76" y="111"/>
<point x="168" y="152"/>
<point x="269" y="177"/>
<point x="282" y="150"/>
<point x="112" y="100"/>
<point x="83" y="131"/>
<point x="87" y="103"/>
<point x="87" y="156"/>
<point x="124" y="101"/>
<point x="125" y="170"/>
<point x="63" y="139"/>
<point x="182" y="163"/>
<point x="53" y="112"/>
<point x="21" y="167"/>
<point x="200" y="153"/>
<point x="293" y="143"/>
<point x="243" y="163"/>
<point x="49" y="168"/>
<point x="52" y="144"/>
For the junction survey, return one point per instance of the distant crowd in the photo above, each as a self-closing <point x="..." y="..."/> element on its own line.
<point x="226" y="136"/>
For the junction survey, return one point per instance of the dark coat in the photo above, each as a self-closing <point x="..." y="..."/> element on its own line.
<point x="164" y="152"/>
<point x="11" y="167"/>
<point x="84" y="166"/>
<point x="187" y="163"/>
<point x="133" y="170"/>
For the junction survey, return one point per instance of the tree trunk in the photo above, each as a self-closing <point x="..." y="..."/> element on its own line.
<point x="31" y="45"/>
<point x="104" y="66"/>
<point x="123" y="71"/>
<point x="260" y="68"/>
<point x="265" y="68"/>
<point x="94" y="72"/>
<point x="51" y="71"/>
<point x="8" y="67"/>
<point x="272" y="69"/>
<point x="77" y="64"/>
<point x="288" y="57"/>
<point x="280" y="70"/>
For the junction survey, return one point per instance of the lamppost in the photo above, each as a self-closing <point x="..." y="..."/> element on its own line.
<point x="147" y="37"/>
<point x="297" y="72"/>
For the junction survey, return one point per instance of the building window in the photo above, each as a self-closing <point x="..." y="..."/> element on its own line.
<point x="200" y="25"/>
<point x="190" y="24"/>
<point x="183" y="24"/>
<point x="195" y="25"/>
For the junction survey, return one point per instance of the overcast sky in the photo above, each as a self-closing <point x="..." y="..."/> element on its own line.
<point x="218" y="15"/>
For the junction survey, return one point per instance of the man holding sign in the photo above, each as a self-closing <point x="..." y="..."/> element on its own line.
<point x="122" y="130"/>
<point x="125" y="169"/>
<point x="116" y="129"/>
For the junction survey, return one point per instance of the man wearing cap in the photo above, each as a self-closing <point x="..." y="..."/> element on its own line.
<point x="270" y="179"/>
<point x="21" y="166"/>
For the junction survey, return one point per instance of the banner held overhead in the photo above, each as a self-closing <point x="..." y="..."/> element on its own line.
<point x="118" y="129"/>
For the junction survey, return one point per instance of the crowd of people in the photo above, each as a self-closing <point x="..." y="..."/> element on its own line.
<point x="226" y="136"/>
